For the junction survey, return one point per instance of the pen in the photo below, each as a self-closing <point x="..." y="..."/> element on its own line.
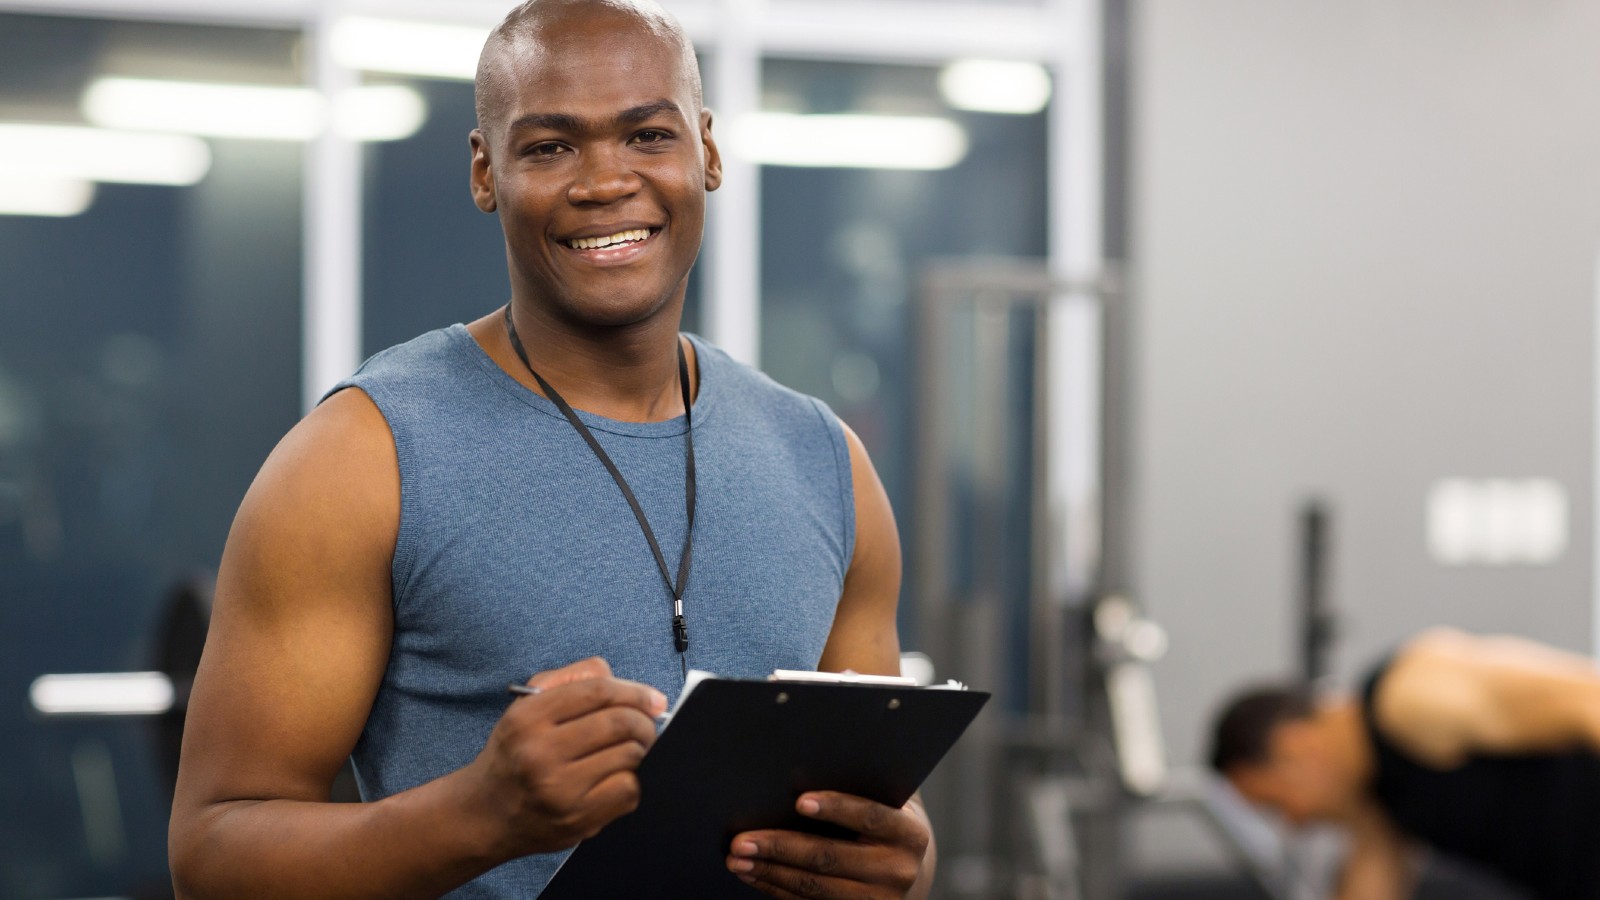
<point x="529" y="690"/>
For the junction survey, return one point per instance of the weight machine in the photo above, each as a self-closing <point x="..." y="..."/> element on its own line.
<point x="1019" y="572"/>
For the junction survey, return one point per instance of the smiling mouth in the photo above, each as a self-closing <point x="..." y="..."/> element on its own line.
<point x="620" y="239"/>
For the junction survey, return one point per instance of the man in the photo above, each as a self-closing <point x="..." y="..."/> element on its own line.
<point x="448" y="521"/>
<point x="1483" y="748"/>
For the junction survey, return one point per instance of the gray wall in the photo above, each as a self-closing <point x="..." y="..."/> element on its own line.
<point x="1365" y="237"/>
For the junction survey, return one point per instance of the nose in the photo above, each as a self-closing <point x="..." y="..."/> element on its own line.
<point x="602" y="178"/>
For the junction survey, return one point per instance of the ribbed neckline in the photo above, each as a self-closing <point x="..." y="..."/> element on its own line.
<point x="704" y="401"/>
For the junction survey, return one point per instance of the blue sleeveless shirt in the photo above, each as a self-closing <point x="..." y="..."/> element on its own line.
<point x="517" y="553"/>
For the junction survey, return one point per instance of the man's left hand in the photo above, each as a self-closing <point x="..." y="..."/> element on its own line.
<point x="883" y="862"/>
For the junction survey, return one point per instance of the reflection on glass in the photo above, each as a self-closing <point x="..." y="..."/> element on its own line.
<point x="149" y="359"/>
<point x="843" y="248"/>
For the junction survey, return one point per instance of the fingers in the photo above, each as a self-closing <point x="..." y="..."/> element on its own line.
<point x="884" y="861"/>
<point x="562" y="760"/>
<point x="603" y="729"/>
<point x="575" y="720"/>
<point x="788" y="883"/>
<point x="575" y="698"/>
<point x="593" y="667"/>
<point x="612" y="787"/>
<point x="873" y="821"/>
<point x="823" y="856"/>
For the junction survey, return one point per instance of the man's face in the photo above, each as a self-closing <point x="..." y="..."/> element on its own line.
<point x="598" y="163"/>
<point x="1297" y="780"/>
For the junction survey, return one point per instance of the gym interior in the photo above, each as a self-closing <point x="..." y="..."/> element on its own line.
<point x="1195" y="344"/>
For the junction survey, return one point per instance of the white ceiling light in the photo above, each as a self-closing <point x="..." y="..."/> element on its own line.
<point x="44" y="196"/>
<point x="108" y="694"/>
<point x="411" y="48"/>
<point x="995" y="86"/>
<point x="207" y="109"/>
<point x="379" y="113"/>
<point x="849" y="141"/>
<point x="75" y="152"/>
<point x="261" y="112"/>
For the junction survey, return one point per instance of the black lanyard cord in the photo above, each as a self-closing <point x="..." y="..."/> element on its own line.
<point x="680" y="629"/>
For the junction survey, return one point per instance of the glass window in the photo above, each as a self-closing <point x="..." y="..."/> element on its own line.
<point x="843" y="249"/>
<point x="149" y="360"/>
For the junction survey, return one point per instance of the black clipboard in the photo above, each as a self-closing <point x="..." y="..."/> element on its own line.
<point x="737" y="755"/>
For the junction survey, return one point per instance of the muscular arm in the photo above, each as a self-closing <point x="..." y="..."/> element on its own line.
<point x="896" y="854"/>
<point x="1380" y="864"/>
<point x="298" y="645"/>
<point x="1450" y="694"/>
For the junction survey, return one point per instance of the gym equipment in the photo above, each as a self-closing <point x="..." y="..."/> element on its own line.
<point x="159" y="696"/>
<point x="1318" y="623"/>
<point x="1018" y="572"/>
<point x="1011" y="556"/>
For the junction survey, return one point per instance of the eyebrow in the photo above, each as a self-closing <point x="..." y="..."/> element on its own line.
<point x="570" y="123"/>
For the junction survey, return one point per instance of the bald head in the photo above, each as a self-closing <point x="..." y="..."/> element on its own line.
<point x="536" y="26"/>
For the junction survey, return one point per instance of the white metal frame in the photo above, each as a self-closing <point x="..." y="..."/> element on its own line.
<point x="1594" y="526"/>
<point x="1065" y="35"/>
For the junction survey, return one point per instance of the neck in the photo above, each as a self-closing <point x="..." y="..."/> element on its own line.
<point x="628" y="373"/>
<point x="1345" y="732"/>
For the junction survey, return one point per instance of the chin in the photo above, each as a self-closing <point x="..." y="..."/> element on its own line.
<point x="615" y="312"/>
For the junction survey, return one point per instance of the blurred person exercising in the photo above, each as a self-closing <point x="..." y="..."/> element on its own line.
<point x="448" y="521"/>
<point x="1486" y="749"/>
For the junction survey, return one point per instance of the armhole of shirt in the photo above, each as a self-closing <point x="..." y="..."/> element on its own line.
<point x="846" y="482"/>
<point x="405" y="536"/>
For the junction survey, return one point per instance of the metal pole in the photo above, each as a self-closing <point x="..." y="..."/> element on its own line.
<point x="733" y="290"/>
<point x="331" y="306"/>
<point x="1316" y="616"/>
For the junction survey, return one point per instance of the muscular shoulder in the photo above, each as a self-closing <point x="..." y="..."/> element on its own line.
<point x="301" y="626"/>
<point x="329" y="492"/>
<point x="1450" y="693"/>
<point x="1423" y="699"/>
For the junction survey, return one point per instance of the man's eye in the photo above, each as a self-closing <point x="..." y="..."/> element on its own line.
<point x="650" y="137"/>
<point x="546" y="149"/>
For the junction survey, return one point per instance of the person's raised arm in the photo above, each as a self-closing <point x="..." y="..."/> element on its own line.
<point x="895" y="855"/>
<point x="298" y="645"/>
<point x="1449" y="694"/>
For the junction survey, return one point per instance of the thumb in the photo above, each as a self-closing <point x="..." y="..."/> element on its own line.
<point x="582" y="670"/>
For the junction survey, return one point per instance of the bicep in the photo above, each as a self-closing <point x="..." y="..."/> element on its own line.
<point x="864" y="636"/>
<point x="302" y="621"/>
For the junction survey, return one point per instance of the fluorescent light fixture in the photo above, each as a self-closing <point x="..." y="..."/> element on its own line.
<point x="261" y="112"/>
<point x="75" y="152"/>
<point x="1497" y="521"/>
<point x="44" y="196"/>
<point x="209" y="109"/>
<point x="995" y="86"/>
<point x="411" y="48"/>
<point x="848" y="141"/>
<point x="102" y="694"/>
<point x="378" y="113"/>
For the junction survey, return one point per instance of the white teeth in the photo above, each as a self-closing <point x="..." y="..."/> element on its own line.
<point x="621" y="237"/>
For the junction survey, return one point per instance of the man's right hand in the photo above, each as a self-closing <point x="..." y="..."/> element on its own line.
<point x="561" y="763"/>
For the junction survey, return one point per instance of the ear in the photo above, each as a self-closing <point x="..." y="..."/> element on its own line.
<point x="1293" y="739"/>
<point x="1249" y="781"/>
<point x="713" y="155"/>
<point x="482" y="173"/>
